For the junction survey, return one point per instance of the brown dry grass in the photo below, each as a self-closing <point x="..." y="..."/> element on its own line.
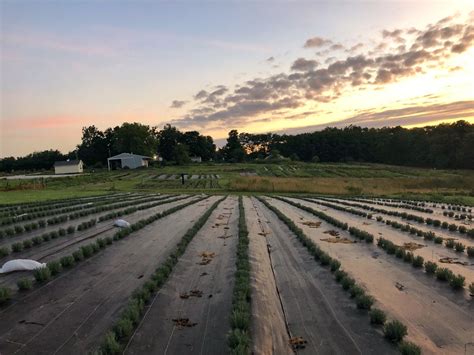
<point x="354" y="186"/>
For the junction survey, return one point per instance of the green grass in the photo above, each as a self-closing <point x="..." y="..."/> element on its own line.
<point x="291" y="177"/>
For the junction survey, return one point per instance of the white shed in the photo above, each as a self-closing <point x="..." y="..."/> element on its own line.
<point x="196" y="159"/>
<point x="68" y="167"/>
<point x="127" y="160"/>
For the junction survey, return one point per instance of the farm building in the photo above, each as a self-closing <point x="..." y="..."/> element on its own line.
<point x="196" y="159"/>
<point x="127" y="161"/>
<point x="68" y="167"/>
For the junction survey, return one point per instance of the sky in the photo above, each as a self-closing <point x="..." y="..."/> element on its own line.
<point x="255" y="66"/>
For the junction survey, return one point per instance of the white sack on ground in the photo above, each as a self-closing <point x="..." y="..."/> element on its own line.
<point x="121" y="223"/>
<point x="20" y="265"/>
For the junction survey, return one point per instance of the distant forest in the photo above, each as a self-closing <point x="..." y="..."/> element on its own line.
<point x="442" y="146"/>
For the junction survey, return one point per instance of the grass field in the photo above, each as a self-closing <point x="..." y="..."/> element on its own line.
<point x="332" y="179"/>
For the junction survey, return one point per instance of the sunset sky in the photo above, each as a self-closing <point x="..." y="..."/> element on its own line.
<point x="287" y="66"/>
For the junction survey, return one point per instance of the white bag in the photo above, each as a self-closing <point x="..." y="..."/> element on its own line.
<point x="121" y="223"/>
<point x="20" y="265"/>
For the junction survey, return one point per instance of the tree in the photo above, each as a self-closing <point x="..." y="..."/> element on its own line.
<point x="168" y="138"/>
<point x="233" y="150"/>
<point x="134" y="138"/>
<point x="180" y="154"/>
<point x="93" y="148"/>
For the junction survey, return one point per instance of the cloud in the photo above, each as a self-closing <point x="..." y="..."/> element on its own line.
<point x="178" y="104"/>
<point x="316" y="42"/>
<point x="270" y="59"/>
<point x="302" y="64"/>
<point x="385" y="62"/>
<point x="413" y="115"/>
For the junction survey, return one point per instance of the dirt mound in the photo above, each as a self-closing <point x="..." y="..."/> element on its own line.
<point x="338" y="240"/>
<point x="192" y="293"/>
<point x="332" y="232"/>
<point x="183" y="323"/>
<point x="298" y="343"/>
<point x="312" y="224"/>
<point x="448" y="260"/>
<point x="206" y="257"/>
<point x="412" y="246"/>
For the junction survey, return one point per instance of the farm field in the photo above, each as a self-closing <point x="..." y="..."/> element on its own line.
<point x="349" y="179"/>
<point x="214" y="274"/>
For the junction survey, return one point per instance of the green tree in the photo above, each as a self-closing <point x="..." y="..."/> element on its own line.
<point x="233" y="150"/>
<point x="180" y="154"/>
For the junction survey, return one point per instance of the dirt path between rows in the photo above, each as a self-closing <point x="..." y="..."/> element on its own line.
<point x="268" y="328"/>
<point x="428" y="250"/>
<point x="70" y="314"/>
<point x="435" y="321"/>
<point x="316" y="307"/>
<point x="180" y="319"/>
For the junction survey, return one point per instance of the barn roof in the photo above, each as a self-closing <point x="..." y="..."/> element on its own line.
<point x="127" y="156"/>
<point x="66" y="163"/>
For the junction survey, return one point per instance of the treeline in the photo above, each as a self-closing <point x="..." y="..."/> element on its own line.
<point x="441" y="146"/>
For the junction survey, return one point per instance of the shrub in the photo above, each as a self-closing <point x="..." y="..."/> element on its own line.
<point x="24" y="284"/>
<point x="409" y="348"/>
<point x="123" y="329"/>
<point x="452" y="227"/>
<point x="17" y="247"/>
<point x="54" y="234"/>
<point x="438" y="240"/>
<point x="417" y="261"/>
<point x="347" y="282"/>
<point x="67" y="261"/>
<point x="239" y="341"/>
<point x="37" y="240"/>
<point x="240" y="320"/>
<point x="400" y="253"/>
<point x="62" y="232"/>
<point x="356" y="290"/>
<point x="70" y="229"/>
<point x="395" y="331"/>
<point x="4" y="251"/>
<point x="459" y="247"/>
<point x="42" y="274"/>
<point x="110" y="344"/>
<point x="55" y="267"/>
<point x="5" y="295"/>
<point x="78" y="255"/>
<point x="335" y="265"/>
<point x="108" y="240"/>
<point x="429" y="235"/>
<point x="470" y="251"/>
<point x="27" y="243"/>
<point x="449" y="243"/>
<point x="408" y="257"/>
<point x="87" y="251"/>
<point x="471" y="289"/>
<point x="457" y="282"/>
<point x="437" y="222"/>
<point x="101" y="242"/>
<point x="340" y="274"/>
<point x="377" y="316"/>
<point x="430" y="267"/>
<point x="444" y="274"/>
<point x="364" y="301"/>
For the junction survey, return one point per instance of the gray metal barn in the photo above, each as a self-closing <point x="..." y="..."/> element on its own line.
<point x="127" y="160"/>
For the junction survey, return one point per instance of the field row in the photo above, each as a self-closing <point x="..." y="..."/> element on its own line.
<point x="217" y="275"/>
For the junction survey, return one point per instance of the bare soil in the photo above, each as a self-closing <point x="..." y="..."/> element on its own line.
<point x="70" y="314"/>
<point x="195" y="325"/>
<point x="438" y="319"/>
